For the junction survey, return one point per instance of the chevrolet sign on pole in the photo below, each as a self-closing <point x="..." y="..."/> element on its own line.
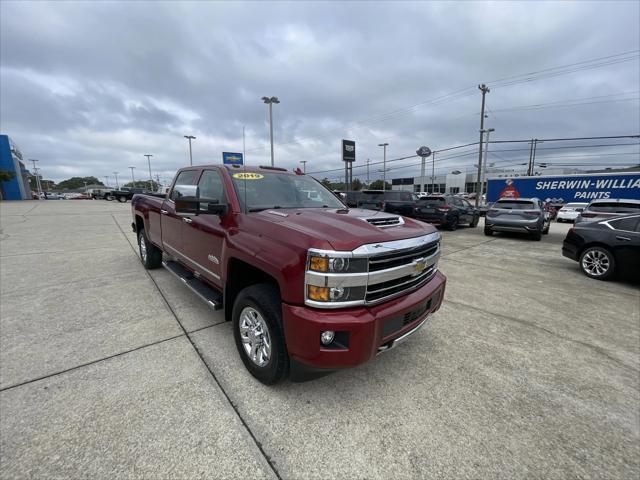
<point x="230" y="158"/>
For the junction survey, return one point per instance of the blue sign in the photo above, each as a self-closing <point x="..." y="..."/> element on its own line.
<point x="566" y="188"/>
<point x="230" y="158"/>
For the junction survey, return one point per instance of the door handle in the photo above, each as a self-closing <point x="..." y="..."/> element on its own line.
<point x="187" y="220"/>
<point x="620" y="237"/>
<point x="164" y="212"/>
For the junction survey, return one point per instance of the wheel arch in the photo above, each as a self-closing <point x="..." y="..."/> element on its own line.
<point x="240" y="275"/>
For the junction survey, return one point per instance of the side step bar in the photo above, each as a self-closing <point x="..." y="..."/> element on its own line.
<point x="210" y="295"/>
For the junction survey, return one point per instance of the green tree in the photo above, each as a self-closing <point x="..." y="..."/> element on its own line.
<point x="356" y="184"/>
<point x="143" y="184"/>
<point x="327" y="183"/>
<point x="5" y="176"/>
<point x="377" y="185"/>
<point x="78" y="182"/>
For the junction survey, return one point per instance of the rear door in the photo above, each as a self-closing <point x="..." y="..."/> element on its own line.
<point x="171" y="224"/>
<point x="203" y="236"/>
<point x="626" y="242"/>
<point x="463" y="212"/>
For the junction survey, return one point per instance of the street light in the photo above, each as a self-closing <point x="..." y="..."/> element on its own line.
<point x="133" y="180"/>
<point x="117" y="186"/>
<point x="149" y="155"/>
<point x="190" y="137"/>
<point x="35" y="170"/>
<point x="384" y="165"/>
<point x="270" y="101"/>
<point x="304" y="165"/>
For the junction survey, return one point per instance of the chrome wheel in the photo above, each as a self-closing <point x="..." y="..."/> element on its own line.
<point x="254" y="334"/>
<point x="596" y="263"/>
<point x="143" y="247"/>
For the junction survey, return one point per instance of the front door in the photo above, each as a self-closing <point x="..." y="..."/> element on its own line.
<point x="203" y="236"/>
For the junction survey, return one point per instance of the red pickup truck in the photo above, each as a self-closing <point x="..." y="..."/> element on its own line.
<point x="309" y="285"/>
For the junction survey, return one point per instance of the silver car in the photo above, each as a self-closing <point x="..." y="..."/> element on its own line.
<point x="605" y="209"/>
<point x="520" y="215"/>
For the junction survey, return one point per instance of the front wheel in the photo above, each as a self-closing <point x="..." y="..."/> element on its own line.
<point x="453" y="223"/>
<point x="488" y="232"/>
<point x="474" y="222"/>
<point x="598" y="263"/>
<point x="122" y="199"/>
<point x="258" y="333"/>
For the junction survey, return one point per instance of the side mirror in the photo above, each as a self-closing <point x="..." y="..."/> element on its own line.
<point x="186" y="200"/>
<point x="217" y="209"/>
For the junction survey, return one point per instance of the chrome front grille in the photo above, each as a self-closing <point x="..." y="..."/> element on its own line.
<point x="383" y="290"/>
<point x="382" y="262"/>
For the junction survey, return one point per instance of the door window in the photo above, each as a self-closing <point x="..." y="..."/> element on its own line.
<point x="185" y="178"/>
<point x="211" y="189"/>
<point x="629" y="224"/>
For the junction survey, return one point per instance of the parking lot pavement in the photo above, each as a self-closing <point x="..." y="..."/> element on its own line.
<point x="530" y="369"/>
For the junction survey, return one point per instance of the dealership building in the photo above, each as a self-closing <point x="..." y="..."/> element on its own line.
<point x="465" y="182"/>
<point x="16" y="188"/>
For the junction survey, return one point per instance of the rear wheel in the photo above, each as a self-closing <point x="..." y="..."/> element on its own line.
<point x="122" y="199"/>
<point x="598" y="263"/>
<point x="488" y="232"/>
<point x="474" y="222"/>
<point x="545" y="231"/>
<point x="150" y="255"/>
<point x="559" y="220"/>
<point x="258" y="333"/>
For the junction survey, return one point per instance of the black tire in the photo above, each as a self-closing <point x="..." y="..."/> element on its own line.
<point x="603" y="254"/>
<point x="265" y="299"/>
<point x="536" y="236"/>
<point x="153" y="257"/>
<point x="474" y="222"/>
<point x="488" y="232"/>
<point x="108" y="198"/>
<point x="122" y="199"/>
<point x="559" y="220"/>
<point x="452" y="224"/>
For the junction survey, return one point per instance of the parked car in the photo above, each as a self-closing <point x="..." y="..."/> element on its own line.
<point x="351" y="198"/>
<point x="605" y="247"/>
<point x="608" y="208"/>
<point x="521" y="215"/>
<point x="82" y="196"/>
<point x="308" y="286"/>
<point x="446" y="210"/>
<point x="100" y="193"/>
<point x="391" y="201"/>
<point x="570" y="211"/>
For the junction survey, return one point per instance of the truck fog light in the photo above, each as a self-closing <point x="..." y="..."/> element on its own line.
<point x="327" y="337"/>
<point x="337" y="293"/>
<point x="320" y="294"/>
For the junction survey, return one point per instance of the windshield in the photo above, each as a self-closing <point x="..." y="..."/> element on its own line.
<point x="375" y="196"/>
<point x="264" y="190"/>
<point x="514" y="205"/>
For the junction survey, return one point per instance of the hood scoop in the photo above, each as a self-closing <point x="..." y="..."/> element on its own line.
<point x="385" y="222"/>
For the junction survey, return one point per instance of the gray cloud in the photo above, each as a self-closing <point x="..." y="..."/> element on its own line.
<point x="90" y="87"/>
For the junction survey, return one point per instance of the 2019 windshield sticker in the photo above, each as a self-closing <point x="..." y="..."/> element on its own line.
<point x="248" y="176"/>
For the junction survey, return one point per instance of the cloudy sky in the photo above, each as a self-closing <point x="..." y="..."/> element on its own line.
<point x="89" y="87"/>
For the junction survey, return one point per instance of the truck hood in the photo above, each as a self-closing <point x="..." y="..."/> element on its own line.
<point x="343" y="231"/>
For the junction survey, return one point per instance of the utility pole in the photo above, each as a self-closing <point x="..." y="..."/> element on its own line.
<point x="484" y="165"/>
<point x="190" y="137"/>
<point x="530" y="157"/>
<point x="484" y="89"/>
<point x="433" y="170"/>
<point x="384" y="165"/>
<point x="533" y="156"/>
<point x="367" y="173"/>
<point x="158" y="180"/>
<point x="148" y="155"/>
<point x="116" y="175"/>
<point x="304" y="165"/>
<point x="270" y="101"/>
<point x="244" y="151"/>
<point x="133" y="180"/>
<point x="35" y="170"/>
<point x="106" y="180"/>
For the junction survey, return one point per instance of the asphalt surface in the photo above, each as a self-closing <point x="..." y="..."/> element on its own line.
<point x="530" y="370"/>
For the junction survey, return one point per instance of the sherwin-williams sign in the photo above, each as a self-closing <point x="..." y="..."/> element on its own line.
<point x="566" y="188"/>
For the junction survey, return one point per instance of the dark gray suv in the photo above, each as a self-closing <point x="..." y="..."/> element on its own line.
<point x="520" y="215"/>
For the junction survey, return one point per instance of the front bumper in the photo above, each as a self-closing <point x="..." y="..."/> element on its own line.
<point x="369" y="330"/>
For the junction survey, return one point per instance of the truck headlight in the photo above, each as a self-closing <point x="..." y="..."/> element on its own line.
<point x="325" y="264"/>
<point x="335" y="294"/>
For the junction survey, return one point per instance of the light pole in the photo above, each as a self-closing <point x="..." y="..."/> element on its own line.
<point x="384" y="165"/>
<point x="367" y="173"/>
<point x="270" y="101"/>
<point x="149" y="155"/>
<point x="304" y="165"/>
<point x="190" y="137"/>
<point x="85" y="187"/>
<point x="133" y="180"/>
<point x="116" y="175"/>
<point x="433" y="171"/>
<point x="484" y="164"/>
<point x="106" y="180"/>
<point x="484" y="89"/>
<point x="35" y="170"/>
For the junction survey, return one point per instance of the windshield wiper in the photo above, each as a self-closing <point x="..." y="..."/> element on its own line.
<point x="275" y="207"/>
